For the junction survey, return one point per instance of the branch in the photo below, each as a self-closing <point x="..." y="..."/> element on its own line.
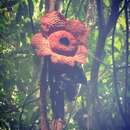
<point x="47" y="5"/>
<point x="32" y="101"/>
<point x="103" y="31"/>
<point x="67" y="8"/>
<point x="44" y="125"/>
<point x="127" y="17"/>
<point x="122" y="67"/>
<point x="100" y="14"/>
<point x="99" y="60"/>
<point x="113" y="15"/>
<point x="24" y="103"/>
<point x="80" y="6"/>
<point x="43" y="85"/>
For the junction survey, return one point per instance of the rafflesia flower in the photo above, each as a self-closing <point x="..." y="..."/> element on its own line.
<point x="64" y="41"/>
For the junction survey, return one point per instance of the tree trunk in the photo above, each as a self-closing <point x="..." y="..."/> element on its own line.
<point x="104" y="29"/>
<point x="43" y="86"/>
<point x="50" y="5"/>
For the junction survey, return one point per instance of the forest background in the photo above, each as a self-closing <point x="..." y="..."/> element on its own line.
<point x="103" y="104"/>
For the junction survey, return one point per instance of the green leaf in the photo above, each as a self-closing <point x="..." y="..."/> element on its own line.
<point x="107" y="2"/>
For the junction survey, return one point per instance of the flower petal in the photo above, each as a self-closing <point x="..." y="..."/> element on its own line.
<point x="51" y="22"/>
<point x="37" y="40"/>
<point x="78" y="29"/>
<point x="41" y="44"/>
<point x="81" y="54"/>
<point x="60" y="59"/>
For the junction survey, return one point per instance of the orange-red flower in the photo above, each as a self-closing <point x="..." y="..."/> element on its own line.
<point x="65" y="40"/>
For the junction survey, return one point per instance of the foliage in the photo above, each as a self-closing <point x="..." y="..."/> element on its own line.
<point x="20" y="68"/>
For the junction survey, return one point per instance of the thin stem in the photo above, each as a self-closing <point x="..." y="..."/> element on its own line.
<point x="80" y="6"/>
<point x="115" y="79"/>
<point x="127" y="55"/>
<point x="32" y="25"/>
<point x="68" y="5"/>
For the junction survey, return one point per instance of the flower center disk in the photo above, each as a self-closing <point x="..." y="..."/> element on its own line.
<point x="63" y="42"/>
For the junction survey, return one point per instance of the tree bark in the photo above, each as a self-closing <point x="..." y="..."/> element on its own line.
<point x="50" y="5"/>
<point x="43" y="86"/>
